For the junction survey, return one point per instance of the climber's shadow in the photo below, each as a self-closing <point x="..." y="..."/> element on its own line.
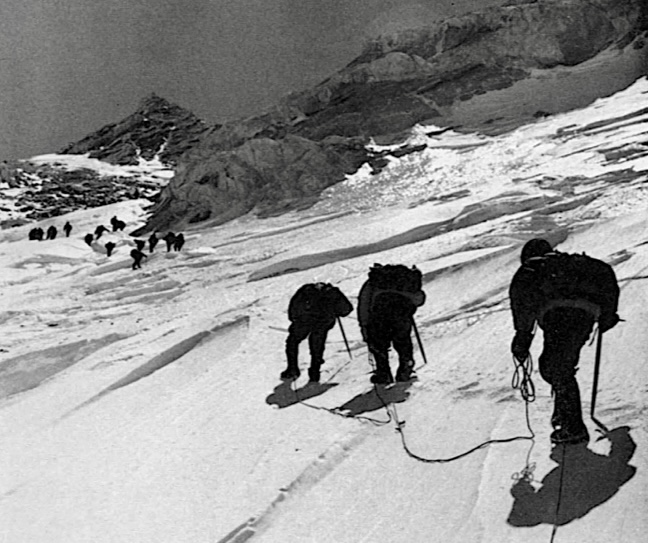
<point x="588" y="480"/>
<point x="376" y="398"/>
<point x="284" y="395"/>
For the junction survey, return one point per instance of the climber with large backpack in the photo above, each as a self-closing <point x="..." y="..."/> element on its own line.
<point x="312" y="311"/>
<point x="565" y="294"/>
<point x="386" y="305"/>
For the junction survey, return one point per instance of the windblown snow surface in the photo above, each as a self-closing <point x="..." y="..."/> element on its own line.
<point x="146" y="406"/>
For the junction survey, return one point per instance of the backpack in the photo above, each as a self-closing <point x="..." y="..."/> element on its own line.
<point x="311" y="302"/>
<point x="565" y="276"/>
<point x="395" y="277"/>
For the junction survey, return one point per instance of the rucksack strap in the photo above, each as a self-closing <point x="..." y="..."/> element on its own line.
<point x="590" y="307"/>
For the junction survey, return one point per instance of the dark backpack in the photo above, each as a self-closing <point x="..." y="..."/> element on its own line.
<point x="573" y="276"/>
<point x="310" y="302"/>
<point x="395" y="277"/>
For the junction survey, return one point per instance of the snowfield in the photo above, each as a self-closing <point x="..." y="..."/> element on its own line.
<point x="146" y="406"/>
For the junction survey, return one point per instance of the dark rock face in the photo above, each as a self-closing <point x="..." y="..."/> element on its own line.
<point x="156" y="127"/>
<point x="310" y="140"/>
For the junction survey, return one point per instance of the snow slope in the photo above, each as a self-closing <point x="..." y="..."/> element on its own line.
<point x="145" y="405"/>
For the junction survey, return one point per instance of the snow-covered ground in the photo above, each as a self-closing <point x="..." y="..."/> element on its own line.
<point x="146" y="405"/>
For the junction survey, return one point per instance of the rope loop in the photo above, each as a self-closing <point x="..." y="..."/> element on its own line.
<point x="522" y="378"/>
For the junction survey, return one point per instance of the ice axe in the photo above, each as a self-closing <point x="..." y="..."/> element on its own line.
<point x="597" y="365"/>
<point x="344" y="337"/>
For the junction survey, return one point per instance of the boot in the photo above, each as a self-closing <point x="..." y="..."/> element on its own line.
<point x="569" y="435"/>
<point x="382" y="377"/>
<point x="314" y="374"/>
<point x="405" y="371"/>
<point x="290" y="373"/>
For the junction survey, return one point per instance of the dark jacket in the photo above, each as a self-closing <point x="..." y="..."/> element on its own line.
<point x="318" y="303"/>
<point x="531" y="294"/>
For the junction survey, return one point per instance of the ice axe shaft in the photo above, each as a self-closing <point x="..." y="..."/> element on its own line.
<point x="418" y="338"/>
<point x="344" y="337"/>
<point x="597" y="366"/>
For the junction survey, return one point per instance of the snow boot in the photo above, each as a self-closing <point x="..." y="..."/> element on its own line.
<point x="290" y="373"/>
<point x="570" y="436"/>
<point x="405" y="371"/>
<point x="382" y="378"/>
<point x="314" y="374"/>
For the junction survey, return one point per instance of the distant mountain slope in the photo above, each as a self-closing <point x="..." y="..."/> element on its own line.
<point x="485" y="72"/>
<point x="489" y="71"/>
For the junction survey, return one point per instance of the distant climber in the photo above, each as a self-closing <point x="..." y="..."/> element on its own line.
<point x="110" y="246"/>
<point x="117" y="224"/>
<point x="36" y="234"/>
<point x="170" y="239"/>
<point x="140" y="244"/>
<point x="312" y="311"/>
<point x="100" y="230"/>
<point x="564" y="294"/>
<point x="178" y="242"/>
<point x="88" y="238"/>
<point x="152" y="241"/>
<point x="67" y="228"/>
<point x="51" y="232"/>
<point x="137" y="258"/>
<point x="386" y="305"/>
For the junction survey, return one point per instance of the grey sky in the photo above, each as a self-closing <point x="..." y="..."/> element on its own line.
<point x="68" y="67"/>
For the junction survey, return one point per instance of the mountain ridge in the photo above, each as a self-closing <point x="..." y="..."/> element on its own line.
<point x="487" y="72"/>
<point x="491" y="55"/>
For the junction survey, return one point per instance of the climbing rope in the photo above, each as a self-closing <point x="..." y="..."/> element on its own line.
<point x="522" y="378"/>
<point x="527" y="390"/>
<point x="336" y="410"/>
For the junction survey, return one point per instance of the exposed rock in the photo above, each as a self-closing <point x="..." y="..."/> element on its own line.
<point x="261" y="173"/>
<point x="157" y="127"/>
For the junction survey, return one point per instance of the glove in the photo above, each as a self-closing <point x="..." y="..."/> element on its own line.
<point x="521" y="344"/>
<point x="606" y="322"/>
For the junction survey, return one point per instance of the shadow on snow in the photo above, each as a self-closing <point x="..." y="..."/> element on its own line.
<point x="376" y="398"/>
<point x="284" y="395"/>
<point x="588" y="480"/>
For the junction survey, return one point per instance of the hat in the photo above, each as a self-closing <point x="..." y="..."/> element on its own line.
<point x="535" y="247"/>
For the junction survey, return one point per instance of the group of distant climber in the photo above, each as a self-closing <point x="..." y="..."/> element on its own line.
<point x="173" y="241"/>
<point x="37" y="234"/>
<point x="564" y="294"/>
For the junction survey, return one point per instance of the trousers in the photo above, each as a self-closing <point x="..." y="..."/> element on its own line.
<point x="316" y="332"/>
<point x="566" y="330"/>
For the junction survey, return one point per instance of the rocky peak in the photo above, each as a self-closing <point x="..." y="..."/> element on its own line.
<point x="157" y="128"/>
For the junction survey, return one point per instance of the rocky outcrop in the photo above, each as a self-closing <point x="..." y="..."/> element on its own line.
<point x="45" y="190"/>
<point x="158" y="127"/>
<point x="262" y="173"/>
